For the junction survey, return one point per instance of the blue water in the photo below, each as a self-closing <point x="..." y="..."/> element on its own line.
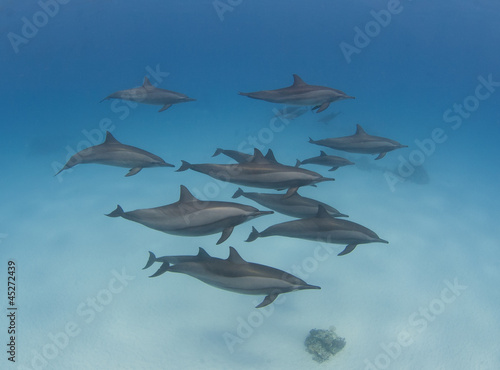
<point x="427" y="300"/>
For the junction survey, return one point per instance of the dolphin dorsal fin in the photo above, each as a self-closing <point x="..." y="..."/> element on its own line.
<point x="297" y="81"/>
<point x="270" y="156"/>
<point x="322" y="212"/>
<point x="186" y="195"/>
<point x="323" y="154"/>
<point x="110" y="139"/>
<point x="147" y="84"/>
<point x="235" y="257"/>
<point x="202" y="254"/>
<point x="360" y="131"/>
<point x="258" y="157"/>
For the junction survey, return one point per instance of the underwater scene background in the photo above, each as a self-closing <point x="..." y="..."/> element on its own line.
<point x="424" y="73"/>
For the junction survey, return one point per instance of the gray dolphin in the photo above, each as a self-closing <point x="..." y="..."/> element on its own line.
<point x="327" y="160"/>
<point x="291" y="112"/>
<point x="295" y="205"/>
<point x="361" y="142"/>
<point x="322" y="228"/>
<point x="114" y="153"/>
<point x="241" y="157"/>
<point x="301" y="93"/>
<point x="328" y="118"/>
<point x="260" y="172"/>
<point x="148" y="94"/>
<point x="190" y="216"/>
<point x="233" y="274"/>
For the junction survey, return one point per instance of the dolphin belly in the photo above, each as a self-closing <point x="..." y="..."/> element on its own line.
<point x="252" y="285"/>
<point x="186" y="222"/>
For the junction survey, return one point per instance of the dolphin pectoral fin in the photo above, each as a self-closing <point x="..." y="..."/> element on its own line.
<point x="165" y="107"/>
<point x="322" y="107"/>
<point x="133" y="171"/>
<point x="333" y="169"/>
<point x="163" y="268"/>
<point x="381" y="155"/>
<point x="290" y="192"/>
<point x="268" y="300"/>
<point x="347" y="249"/>
<point x="225" y="234"/>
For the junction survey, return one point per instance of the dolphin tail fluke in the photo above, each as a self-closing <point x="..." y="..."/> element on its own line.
<point x="151" y="260"/>
<point x="238" y="193"/>
<point x="217" y="152"/>
<point x="311" y="140"/>
<point x="298" y="163"/>
<point x="163" y="268"/>
<point x="348" y="249"/>
<point x="253" y="235"/>
<point x="184" y="167"/>
<point x="118" y="212"/>
<point x="268" y="300"/>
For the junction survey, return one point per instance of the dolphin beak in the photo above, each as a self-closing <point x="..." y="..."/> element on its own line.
<point x="303" y="287"/>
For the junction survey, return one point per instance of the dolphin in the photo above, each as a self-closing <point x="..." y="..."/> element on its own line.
<point x="241" y="157"/>
<point x="190" y="216"/>
<point x="291" y="112"/>
<point x="327" y="160"/>
<point x="329" y="117"/>
<point x="114" y="153"/>
<point x="295" y="206"/>
<point x="261" y="172"/>
<point x="322" y="228"/>
<point x="301" y="93"/>
<point x="233" y="274"/>
<point x="361" y="142"/>
<point x="148" y="94"/>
